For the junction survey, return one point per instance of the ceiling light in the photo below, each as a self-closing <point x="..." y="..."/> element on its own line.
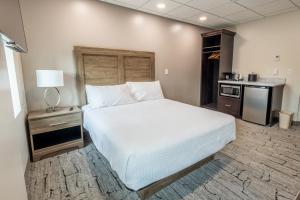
<point x="202" y="18"/>
<point x="161" y="6"/>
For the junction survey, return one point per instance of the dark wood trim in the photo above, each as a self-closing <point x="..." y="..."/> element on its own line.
<point x="157" y="186"/>
<point x="296" y="123"/>
<point x="218" y="32"/>
<point x="212" y="69"/>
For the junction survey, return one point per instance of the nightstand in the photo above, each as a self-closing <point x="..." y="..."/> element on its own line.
<point x="56" y="131"/>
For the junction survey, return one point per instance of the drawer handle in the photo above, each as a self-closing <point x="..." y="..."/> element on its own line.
<point x="57" y="124"/>
<point x="227" y="105"/>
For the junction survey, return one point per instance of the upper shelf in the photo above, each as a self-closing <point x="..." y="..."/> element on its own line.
<point x="216" y="46"/>
<point x="213" y="41"/>
<point x="218" y="32"/>
<point x="214" y="38"/>
<point x="211" y="49"/>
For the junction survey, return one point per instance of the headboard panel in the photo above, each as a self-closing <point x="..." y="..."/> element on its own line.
<point x="100" y="69"/>
<point x="98" y="66"/>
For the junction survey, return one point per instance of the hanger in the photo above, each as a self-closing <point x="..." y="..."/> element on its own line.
<point x="214" y="56"/>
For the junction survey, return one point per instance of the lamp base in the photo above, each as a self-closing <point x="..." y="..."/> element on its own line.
<point x="51" y="108"/>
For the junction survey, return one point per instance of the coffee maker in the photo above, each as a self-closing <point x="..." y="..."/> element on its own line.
<point x="231" y="76"/>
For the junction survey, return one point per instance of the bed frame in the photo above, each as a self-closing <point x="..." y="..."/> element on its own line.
<point x="99" y="66"/>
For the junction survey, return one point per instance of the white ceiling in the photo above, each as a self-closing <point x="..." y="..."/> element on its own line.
<point x="219" y="13"/>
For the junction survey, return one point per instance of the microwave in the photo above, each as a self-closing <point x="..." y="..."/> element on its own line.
<point x="228" y="90"/>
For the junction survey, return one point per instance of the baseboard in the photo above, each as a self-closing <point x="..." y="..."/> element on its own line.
<point x="27" y="167"/>
<point x="296" y="123"/>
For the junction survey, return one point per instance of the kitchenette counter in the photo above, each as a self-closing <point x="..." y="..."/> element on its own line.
<point x="267" y="82"/>
<point x="258" y="102"/>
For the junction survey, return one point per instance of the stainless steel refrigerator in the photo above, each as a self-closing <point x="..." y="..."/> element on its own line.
<point x="255" y="107"/>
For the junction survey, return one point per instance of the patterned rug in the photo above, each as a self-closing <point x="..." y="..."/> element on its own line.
<point x="262" y="163"/>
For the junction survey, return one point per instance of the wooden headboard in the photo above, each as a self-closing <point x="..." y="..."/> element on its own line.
<point x="98" y="66"/>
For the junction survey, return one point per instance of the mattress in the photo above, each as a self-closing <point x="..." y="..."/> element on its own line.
<point x="147" y="141"/>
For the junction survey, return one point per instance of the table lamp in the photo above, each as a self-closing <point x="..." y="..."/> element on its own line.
<point x="50" y="79"/>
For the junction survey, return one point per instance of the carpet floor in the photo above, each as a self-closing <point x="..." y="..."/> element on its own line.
<point x="262" y="163"/>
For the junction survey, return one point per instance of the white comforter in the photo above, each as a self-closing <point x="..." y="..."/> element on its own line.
<point x="147" y="141"/>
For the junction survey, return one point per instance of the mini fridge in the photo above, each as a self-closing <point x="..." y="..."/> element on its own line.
<point x="255" y="106"/>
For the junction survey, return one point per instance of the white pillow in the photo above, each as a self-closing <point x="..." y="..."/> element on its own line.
<point x="111" y="95"/>
<point x="144" y="91"/>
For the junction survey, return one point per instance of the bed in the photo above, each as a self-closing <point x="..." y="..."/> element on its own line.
<point x="150" y="143"/>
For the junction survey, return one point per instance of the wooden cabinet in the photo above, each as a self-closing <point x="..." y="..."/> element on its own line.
<point x="229" y="105"/>
<point x="217" y="51"/>
<point x="53" y="132"/>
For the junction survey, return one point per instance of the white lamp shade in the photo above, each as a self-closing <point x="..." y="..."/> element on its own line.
<point x="49" y="78"/>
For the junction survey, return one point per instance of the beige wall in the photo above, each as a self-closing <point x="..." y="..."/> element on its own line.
<point x="13" y="143"/>
<point x="11" y="22"/>
<point x="256" y="45"/>
<point x="54" y="27"/>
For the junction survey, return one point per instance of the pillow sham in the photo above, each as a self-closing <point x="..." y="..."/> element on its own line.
<point x="144" y="91"/>
<point x="111" y="95"/>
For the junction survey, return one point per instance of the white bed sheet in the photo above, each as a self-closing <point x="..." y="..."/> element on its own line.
<point x="147" y="141"/>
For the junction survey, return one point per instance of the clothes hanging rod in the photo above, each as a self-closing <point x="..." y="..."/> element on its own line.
<point x="211" y="47"/>
<point x="212" y="51"/>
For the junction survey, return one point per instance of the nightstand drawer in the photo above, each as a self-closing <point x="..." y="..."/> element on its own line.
<point x="54" y="123"/>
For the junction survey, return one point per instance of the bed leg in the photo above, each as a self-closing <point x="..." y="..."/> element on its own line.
<point x="297" y="196"/>
<point x="141" y="195"/>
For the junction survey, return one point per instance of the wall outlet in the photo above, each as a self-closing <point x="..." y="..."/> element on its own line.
<point x="277" y="58"/>
<point x="289" y="71"/>
<point x="166" y="71"/>
<point x="275" y="72"/>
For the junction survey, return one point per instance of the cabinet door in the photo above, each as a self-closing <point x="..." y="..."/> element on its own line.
<point x="229" y="105"/>
<point x="226" y="53"/>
